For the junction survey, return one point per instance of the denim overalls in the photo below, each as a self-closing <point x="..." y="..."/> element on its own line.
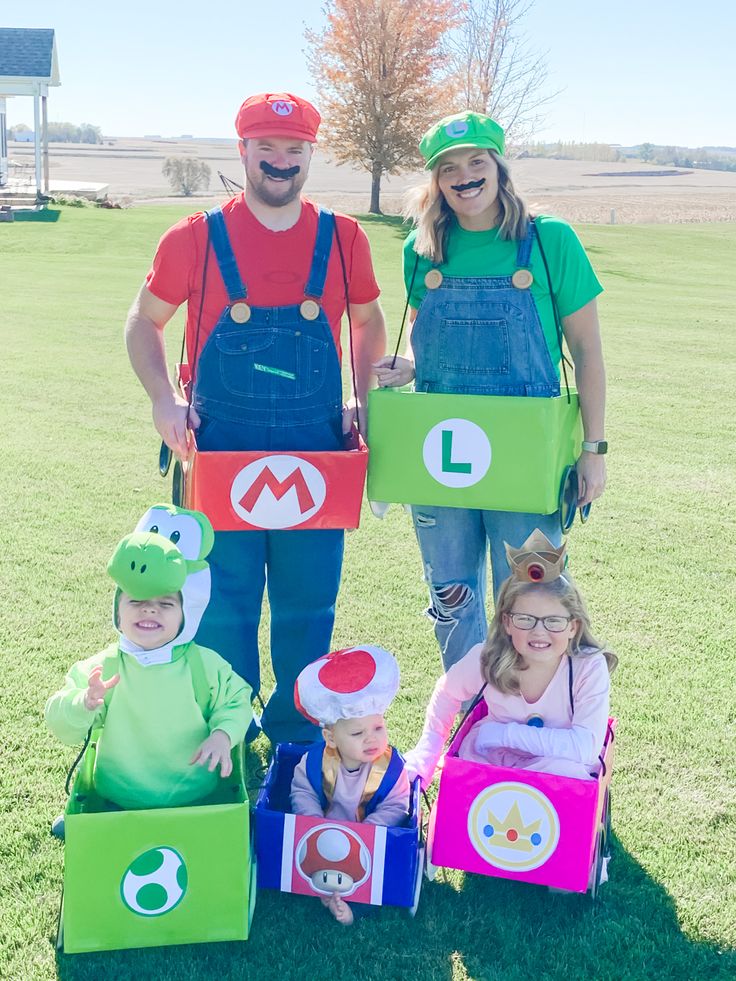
<point x="271" y="383"/>
<point x="477" y="336"/>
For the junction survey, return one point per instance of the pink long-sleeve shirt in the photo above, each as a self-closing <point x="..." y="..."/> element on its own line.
<point x="349" y="787"/>
<point x="568" y="742"/>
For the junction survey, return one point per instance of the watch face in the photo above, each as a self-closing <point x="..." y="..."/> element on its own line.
<point x="599" y="446"/>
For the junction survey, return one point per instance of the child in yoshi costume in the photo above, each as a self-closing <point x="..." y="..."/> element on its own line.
<point x="171" y="710"/>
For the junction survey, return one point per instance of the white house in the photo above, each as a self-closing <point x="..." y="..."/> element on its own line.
<point x="28" y="66"/>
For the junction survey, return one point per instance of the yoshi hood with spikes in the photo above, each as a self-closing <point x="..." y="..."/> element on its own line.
<point x="165" y="554"/>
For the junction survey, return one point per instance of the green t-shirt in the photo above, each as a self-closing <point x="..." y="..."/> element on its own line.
<point x="474" y="254"/>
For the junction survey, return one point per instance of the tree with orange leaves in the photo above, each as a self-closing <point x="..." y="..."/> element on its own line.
<point x="377" y="65"/>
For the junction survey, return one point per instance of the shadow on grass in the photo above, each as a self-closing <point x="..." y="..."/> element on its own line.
<point x="394" y="223"/>
<point x="467" y="926"/>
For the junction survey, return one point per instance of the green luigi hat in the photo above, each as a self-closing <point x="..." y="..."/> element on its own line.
<point x="462" y="131"/>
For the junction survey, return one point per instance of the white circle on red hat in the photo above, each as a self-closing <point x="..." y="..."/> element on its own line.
<point x="282" y="108"/>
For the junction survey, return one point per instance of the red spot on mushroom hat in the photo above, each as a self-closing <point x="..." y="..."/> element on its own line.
<point x="347" y="684"/>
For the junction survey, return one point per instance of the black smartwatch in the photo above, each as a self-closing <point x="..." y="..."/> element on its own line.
<point x="599" y="446"/>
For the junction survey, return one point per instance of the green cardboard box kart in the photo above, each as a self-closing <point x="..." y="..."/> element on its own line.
<point x="148" y="878"/>
<point x="495" y="452"/>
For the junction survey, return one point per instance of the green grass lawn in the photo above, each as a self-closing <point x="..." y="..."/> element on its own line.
<point x="657" y="562"/>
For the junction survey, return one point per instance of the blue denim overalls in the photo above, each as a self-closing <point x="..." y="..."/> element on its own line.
<point x="477" y="337"/>
<point x="272" y="383"/>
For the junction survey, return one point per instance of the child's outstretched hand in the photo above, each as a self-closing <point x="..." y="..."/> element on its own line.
<point x="214" y="752"/>
<point x="96" y="688"/>
<point x="340" y="909"/>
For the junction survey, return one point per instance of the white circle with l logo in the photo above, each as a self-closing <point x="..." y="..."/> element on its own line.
<point x="457" y="453"/>
<point x="278" y="492"/>
<point x="457" y="129"/>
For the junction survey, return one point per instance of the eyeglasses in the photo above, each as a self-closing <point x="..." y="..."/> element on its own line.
<point x="525" y="621"/>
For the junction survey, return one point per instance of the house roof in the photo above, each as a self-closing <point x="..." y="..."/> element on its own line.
<point x="28" y="53"/>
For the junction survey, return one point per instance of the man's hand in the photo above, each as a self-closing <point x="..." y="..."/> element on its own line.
<point x="170" y="419"/>
<point x="350" y="413"/>
<point x="96" y="688"/>
<point x="214" y="752"/>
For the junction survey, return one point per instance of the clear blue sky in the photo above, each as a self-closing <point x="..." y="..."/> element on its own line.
<point x="629" y="70"/>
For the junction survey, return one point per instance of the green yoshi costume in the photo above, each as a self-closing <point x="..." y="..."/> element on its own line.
<point x="169" y="699"/>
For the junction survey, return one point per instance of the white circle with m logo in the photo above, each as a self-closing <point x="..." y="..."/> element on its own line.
<point x="278" y="492"/>
<point x="457" y="453"/>
<point x="282" y="108"/>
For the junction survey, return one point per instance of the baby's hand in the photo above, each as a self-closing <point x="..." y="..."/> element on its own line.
<point x="96" y="688"/>
<point x="216" y="750"/>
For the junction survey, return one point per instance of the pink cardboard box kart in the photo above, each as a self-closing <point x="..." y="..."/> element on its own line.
<point x="520" y="824"/>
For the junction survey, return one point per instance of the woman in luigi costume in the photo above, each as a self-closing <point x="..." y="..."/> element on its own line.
<point x="490" y="293"/>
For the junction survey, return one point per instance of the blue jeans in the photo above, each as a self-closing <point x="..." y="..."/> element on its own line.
<point x="454" y="543"/>
<point x="301" y="569"/>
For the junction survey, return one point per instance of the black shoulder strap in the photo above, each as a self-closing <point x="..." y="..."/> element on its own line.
<point x="569" y="685"/>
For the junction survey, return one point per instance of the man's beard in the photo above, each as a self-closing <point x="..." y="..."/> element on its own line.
<point x="275" y="194"/>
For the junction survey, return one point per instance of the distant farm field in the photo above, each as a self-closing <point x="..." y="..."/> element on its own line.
<point x="657" y="562"/>
<point x="578" y="190"/>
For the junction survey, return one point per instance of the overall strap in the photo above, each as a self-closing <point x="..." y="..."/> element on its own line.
<point x="321" y="257"/>
<point x="387" y="784"/>
<point x="225" y="256"/>
<point x="524" y="250"/>
<point x="201" y="686"/>
<point x="314" y="773"/>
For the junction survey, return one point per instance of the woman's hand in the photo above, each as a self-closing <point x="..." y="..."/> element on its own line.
<point x="591" y="469"/>
<point x="214" y="752"/>
<point x="400" y="374"/>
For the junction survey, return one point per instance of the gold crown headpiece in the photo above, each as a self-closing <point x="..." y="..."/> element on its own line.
<point x="538" y="560"/>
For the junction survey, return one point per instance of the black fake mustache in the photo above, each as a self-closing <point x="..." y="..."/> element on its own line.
<point x="286" y="174"/>
<point x="464" y="187"/>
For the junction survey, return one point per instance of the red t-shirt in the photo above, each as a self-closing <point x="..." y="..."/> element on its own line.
<point x="274" y="266"/>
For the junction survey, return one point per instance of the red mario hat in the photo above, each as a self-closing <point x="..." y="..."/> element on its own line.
<point x="347" y="684"/>
<point x="277" y="114"/>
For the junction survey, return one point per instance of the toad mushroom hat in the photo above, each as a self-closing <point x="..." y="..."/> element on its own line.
<point x="347" y="684"/>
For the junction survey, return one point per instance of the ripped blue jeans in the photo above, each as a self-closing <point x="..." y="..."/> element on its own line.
<point x="454" y="543"/>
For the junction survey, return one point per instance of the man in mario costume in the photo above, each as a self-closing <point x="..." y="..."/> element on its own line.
<point x="266" y="279"/>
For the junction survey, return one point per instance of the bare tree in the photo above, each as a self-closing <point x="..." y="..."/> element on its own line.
<point x="493" y="68"/>
<point x="377" y="64"/>
<point x="186" y="174"/>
